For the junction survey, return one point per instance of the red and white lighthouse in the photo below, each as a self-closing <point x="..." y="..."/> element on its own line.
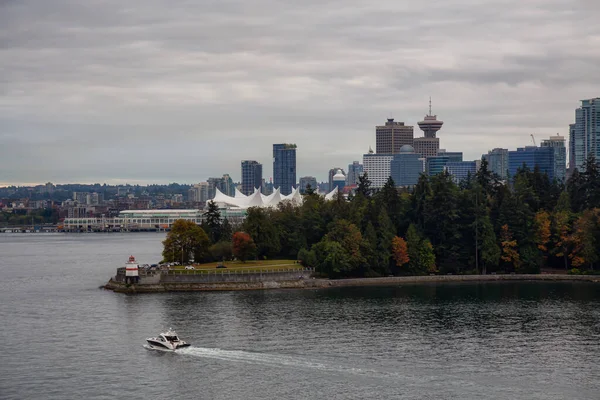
<point x="131" y="270"/>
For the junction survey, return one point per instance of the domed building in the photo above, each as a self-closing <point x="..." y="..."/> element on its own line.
<point x="339" y="181"/>
<point x="406" y="166"/>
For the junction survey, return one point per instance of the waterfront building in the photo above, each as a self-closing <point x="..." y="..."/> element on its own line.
<point x="406" y="167"/>
<point x="532" y="156"/>
<point x="584" y="134"/>
<point x="497" y="161"/>
<point x="339" y="181"/>
<point x="559" y="158"/>
<point x="251" y="176"/>
<point x="284" y="167"/>
<point x="355" y="170"/>
<point x="377" y="168"/>
<point x="460" y="170"/>
<point x="332" y="173"/>
<point x="389" y="138"/>
<point x="306" y="181"/>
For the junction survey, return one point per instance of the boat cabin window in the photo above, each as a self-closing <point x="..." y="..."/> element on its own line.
<point x="171" y="338"/>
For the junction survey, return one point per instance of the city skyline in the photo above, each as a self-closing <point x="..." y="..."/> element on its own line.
<point x="144" y="93"/>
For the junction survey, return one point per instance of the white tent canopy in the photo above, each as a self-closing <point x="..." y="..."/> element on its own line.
<point x="258" y="199"/>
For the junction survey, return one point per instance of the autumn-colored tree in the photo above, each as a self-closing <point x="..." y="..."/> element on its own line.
<point x="400" y="251"/>
<point x="583" y="239"/>
<point x="510" y="254"/>
<point x="562" y="235"/>
<point x="243" y="246"/>
<point x="542" y="230"/>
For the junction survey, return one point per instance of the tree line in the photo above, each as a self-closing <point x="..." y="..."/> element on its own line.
<point x="481" y="225"/>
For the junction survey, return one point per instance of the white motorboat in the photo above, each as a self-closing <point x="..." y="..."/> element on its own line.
<point x="168" y="340"/>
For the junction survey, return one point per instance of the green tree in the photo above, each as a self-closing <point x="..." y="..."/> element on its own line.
<point x="490" y="251"/>
<point x="221" y="251"/>
<point x="184" y="242"/>
<point x="338" y="254"/>
<point x="259" y="225"/>
<point x="212" y="222"/>
<point x="364" y="186"/>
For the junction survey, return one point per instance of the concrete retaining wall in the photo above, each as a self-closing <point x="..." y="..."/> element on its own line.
<point x="256" y="282"/>
<point x="237" y="277"/>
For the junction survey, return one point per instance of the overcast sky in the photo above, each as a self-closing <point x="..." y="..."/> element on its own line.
<point x="159" y="91"/>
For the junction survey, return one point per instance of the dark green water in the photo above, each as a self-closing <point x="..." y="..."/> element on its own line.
<point x="65" y="339"/>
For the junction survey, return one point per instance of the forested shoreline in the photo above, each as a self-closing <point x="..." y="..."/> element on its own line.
<point x="481" y="226"/>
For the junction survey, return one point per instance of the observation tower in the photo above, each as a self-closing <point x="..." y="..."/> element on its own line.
<point x="431" y="124"/>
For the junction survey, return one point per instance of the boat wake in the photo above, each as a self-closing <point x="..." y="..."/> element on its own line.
<point x="278" y="360"/>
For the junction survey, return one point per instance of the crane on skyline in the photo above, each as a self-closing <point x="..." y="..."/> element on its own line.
<point x="533" y="140"/>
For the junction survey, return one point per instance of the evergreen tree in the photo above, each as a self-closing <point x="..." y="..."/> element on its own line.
<point x="259" y="225"/>
<point x="364" y="186"/>
<point x="591" y="183"/>
<point x="212" y="222"/>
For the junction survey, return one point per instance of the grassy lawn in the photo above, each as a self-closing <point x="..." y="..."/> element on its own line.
<point x="248" y="266"/>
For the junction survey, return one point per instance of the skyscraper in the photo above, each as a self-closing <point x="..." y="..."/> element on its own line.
<point x="584" y="134"/>
<point x="251" y="176"/>
<point x="284" y="167"/>
<point x="532" y="156"/>
<point x="377" y="168"/>
<point x="406" y="167"/>
<point x="559" y="159"/>
<point x="389" y="138"/>
<point x="460" y="170"/>
<point x="497" y="161"/>
<point x="355" y="170"/>
<point x="428" y="145"/>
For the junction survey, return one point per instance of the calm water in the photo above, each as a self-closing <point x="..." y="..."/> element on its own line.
<point x="64" y="338"/>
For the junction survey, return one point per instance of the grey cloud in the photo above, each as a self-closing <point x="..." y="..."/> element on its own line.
<point x="162" y="90"/>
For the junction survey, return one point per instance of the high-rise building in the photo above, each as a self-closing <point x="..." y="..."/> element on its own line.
<point x="559" y="161"/>
<point x="389" y="138"/>
<point x="332" y="173"/>
<point x="251" y="176"/>
<point x="460" y="170"/>
<point x="532" y="156"/>
<point x="497" y="161"/>
<point x="284" y="167"/>
<point x="377" y="168"/>
<point x="584" y="134"/>
<point x="199" y="193"/>
<point x="428" y="145"/>
<point x="308" y="181"/>
<point x="436" y="164"/>
<point x="406" y="167"/>
<point x="224" y="184"/>
<point x="355" y="170"/>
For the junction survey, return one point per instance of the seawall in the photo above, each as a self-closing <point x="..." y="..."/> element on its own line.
<point x="303" y="281"/>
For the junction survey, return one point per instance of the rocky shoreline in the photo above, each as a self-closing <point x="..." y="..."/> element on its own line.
<point x="311" y="283"/>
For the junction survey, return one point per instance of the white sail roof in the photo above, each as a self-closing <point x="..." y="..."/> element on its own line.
<point x="257" y="199"/>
